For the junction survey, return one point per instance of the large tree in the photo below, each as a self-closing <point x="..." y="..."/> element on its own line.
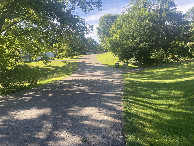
<point x="35" y="26"/>
<point x="103" y="31"/>
<point x="190" y="18"/>
<point x="190" y="14"/>
<point x="94" y="46"/>
<point x="150" y="31"/>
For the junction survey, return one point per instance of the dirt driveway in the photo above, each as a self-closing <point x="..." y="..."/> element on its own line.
<point x="83" y="109"/>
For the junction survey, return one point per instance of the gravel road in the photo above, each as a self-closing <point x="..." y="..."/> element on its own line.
<point x="84" y="109"/>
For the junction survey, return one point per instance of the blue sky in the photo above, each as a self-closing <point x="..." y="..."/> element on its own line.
<point x="117" y="7"/>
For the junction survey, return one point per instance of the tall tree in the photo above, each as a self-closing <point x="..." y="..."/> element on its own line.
<point x="34" y="26"/>
<point x="103" y="31"/>
<point x="94" y="46"/>
<point x="190" y="14"/>
<point x="150" y="31"/>
<point x="190" y="18"/>
<point x="38" y="26"/>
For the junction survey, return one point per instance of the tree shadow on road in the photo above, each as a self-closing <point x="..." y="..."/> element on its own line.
<point x="67" y="112"/>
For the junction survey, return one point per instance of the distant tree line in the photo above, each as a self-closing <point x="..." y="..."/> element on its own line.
<point x="149" y="32"/>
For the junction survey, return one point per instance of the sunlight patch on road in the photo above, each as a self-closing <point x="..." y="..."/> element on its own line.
<point x="32" y="113"/>
<point x="95" y="123"/>
<point x="46" y="128"/>
<point x="64" y="138"/>
<point x="92" y="113"/>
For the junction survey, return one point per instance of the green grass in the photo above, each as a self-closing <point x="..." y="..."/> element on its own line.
<point x="110" y="60"/>
<point x="159" y="106"/>
<point x="55" y="70"/>
<point x="32" y="74"/>
<point x="76" y="58"/>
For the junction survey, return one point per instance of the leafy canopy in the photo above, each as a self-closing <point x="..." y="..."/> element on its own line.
<point x="94" y="46"/>
<point x="34" y="27"/>
<point x="150" y="31"/>
<point x="37" y="26"/>
<point x="103" y="31"/>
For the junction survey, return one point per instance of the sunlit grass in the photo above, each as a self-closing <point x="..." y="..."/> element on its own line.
<point x="55" y="70"/>
<point x="33" y="74"/>
<point x="109" y="59"/>
<point x="159" y="106"/>
<point x="70" y="58"/>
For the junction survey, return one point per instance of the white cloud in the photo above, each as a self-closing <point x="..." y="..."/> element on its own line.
<point x="97" y="16"/>
<point x="93" y="34"/>
<point x="185" y="8"/>
<point x="94" y="20"/>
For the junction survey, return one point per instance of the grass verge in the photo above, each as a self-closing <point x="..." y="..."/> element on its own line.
<point x="33" y="74"/>
<point x="53" y="71"/>
<point x="110" y="60"/>
<point x="76" y="58"/>
<point x="159" y="106"/>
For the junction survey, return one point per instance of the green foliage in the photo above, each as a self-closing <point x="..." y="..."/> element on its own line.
<point x="103" y="30"/>
<point x="28" y="75"/>
<point x="158" y="106"/>
<point x="37" y="26"/>
<point x="190" y="17"/>
<point x="150" y="32"/>
<point x="94" y="46"/>
<point x="75" y="47"/>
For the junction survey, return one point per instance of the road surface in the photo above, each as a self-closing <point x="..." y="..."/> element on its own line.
<point x="84" y="109"/>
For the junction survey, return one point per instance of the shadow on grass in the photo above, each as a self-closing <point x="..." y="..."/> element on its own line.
<point x="51" y="71"/>
<point x="120" y="66"/>
<point x="159" y="105"/>
<point x="25" y="76"/>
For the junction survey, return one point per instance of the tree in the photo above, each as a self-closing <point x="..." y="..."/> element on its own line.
<point x="190" y="14"/>
<point x="34" y="26"/>
<point x="103" y="31"/>
<point x="38" y="26"/>
<point x="190" y="18"/>
<point x="149" y="32"/>
<point x="94" y="46"/>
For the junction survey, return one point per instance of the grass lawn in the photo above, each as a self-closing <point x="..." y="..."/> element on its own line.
<point x="55" y="70"/>
<point x="159" y="106"/>
<point x="24" y="74"/>
<point x="76" y="58"/>
<point x="110" y="60"/>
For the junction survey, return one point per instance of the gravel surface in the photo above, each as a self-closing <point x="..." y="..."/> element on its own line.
<point x="84" y="109"/>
